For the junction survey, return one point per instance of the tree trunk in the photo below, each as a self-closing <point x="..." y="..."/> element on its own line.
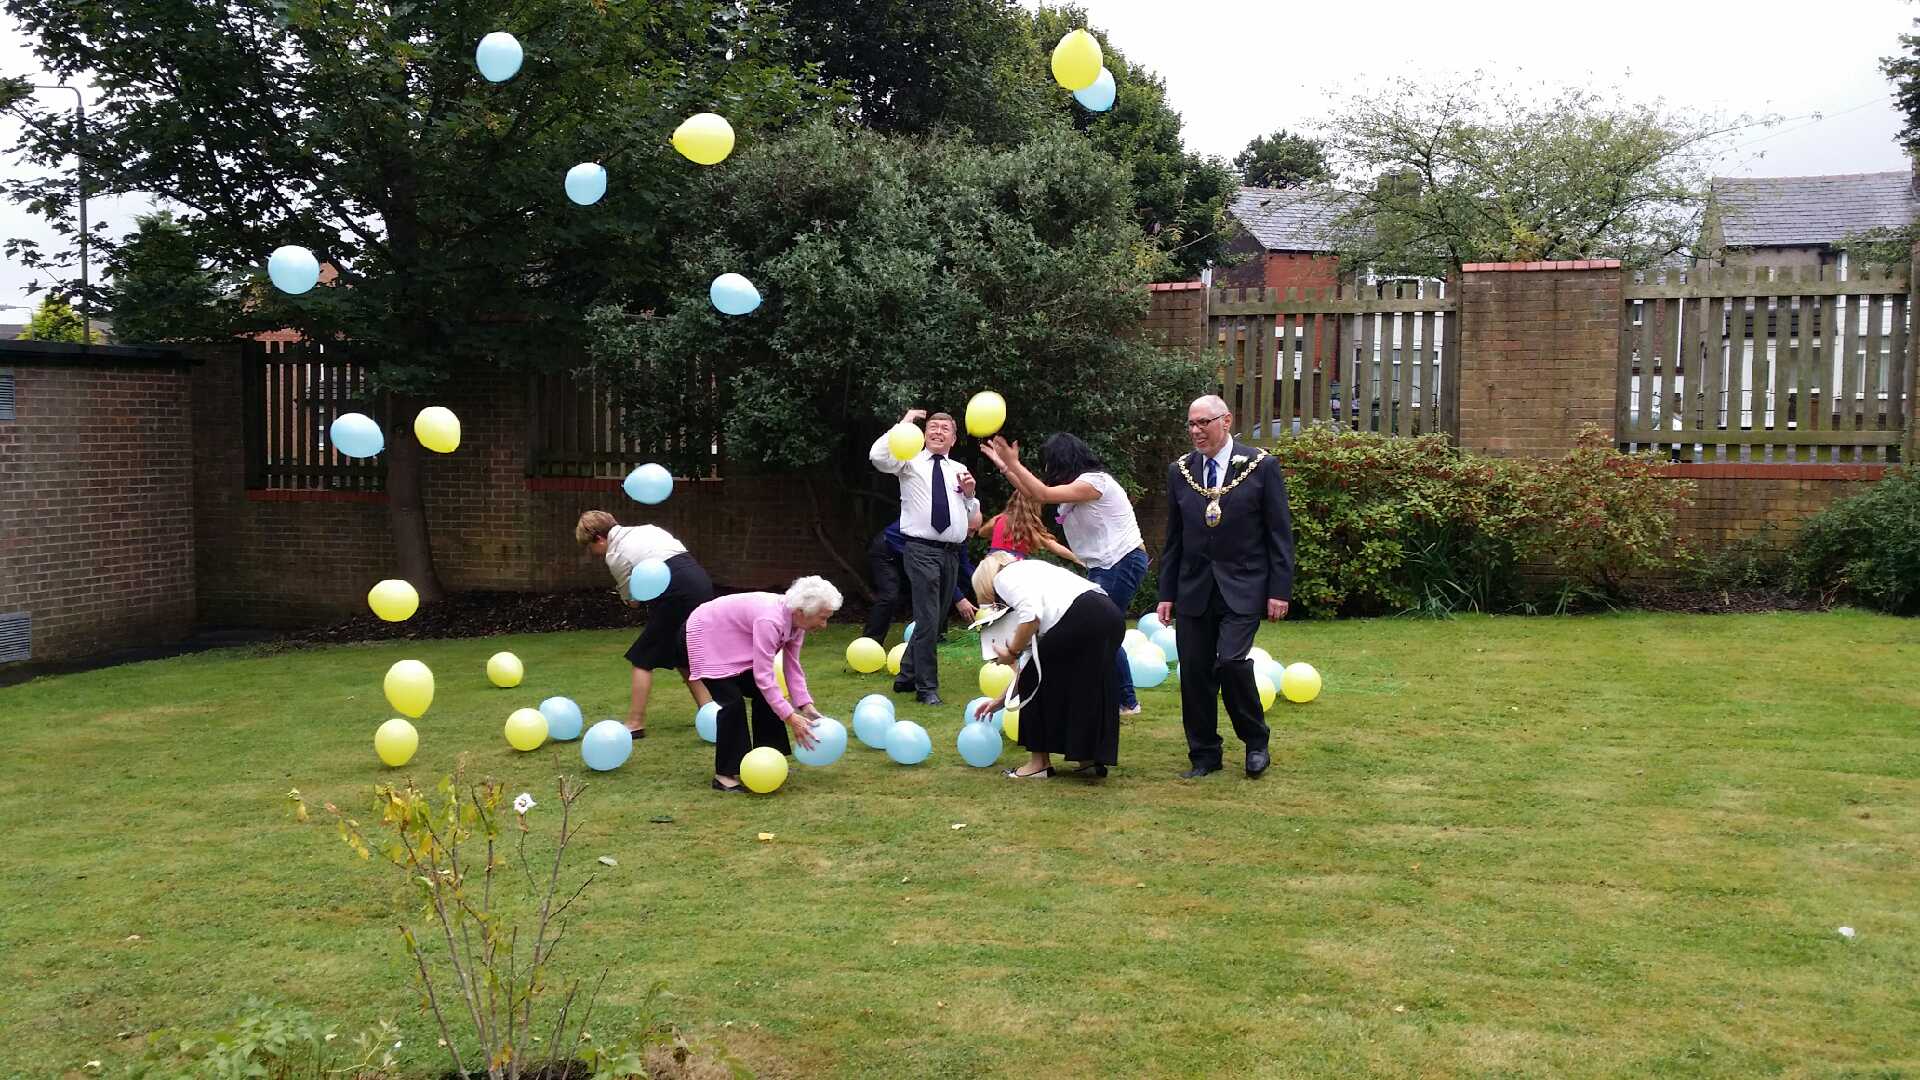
<point x="406" y="511"/>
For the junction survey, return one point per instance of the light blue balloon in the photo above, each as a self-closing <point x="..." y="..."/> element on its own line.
<point x="994" y="718"/>
<point x="829" y="742"/>
<point x="707" y="721"/>
<point x="356" y="435"/>
<point x="1270" y="668"/>
<point x="1150" y="624"/>
<point x="1168" y="643"/>
<point x="650" y="484"/>
<point x="1149" y="668"/>
<point x="1099" y="96"/>
<point x="979" y="744"/>
<point x="499" y="56"/>
<point x="293" y="269"/>
<point x="871" y="719"/>
<point x="563" y="718"/>
<point x="908" y="636"/>
<point x="733" y="294"/>
<point x="586" y="182"/>
<point x="908" y="743"/>
<point x="650" y="577"/>
<point x="607" y="745"/>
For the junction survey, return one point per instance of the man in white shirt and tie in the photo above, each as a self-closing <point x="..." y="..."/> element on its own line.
<point x="938" y="512"/>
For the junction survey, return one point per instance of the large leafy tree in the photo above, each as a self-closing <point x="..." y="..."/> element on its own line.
<point x="160" y="290"/>
<point x="901" y="273"/>
<point x="363" y="131"/>
<point x="55" y="320"/>
<point x="1903" y="70"/>
<point x="1441" y="175"/>
<point x="1282" y="159"/>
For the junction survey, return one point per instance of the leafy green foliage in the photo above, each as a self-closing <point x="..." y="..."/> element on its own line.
<point x="900" y="274"/>
<point x="1903" y="71"/>
<point x="268" y="1041"/>
<point x="161" y="291"/>
<point x="1282" y="159"/>
<point x="55" y="320"/>
<point x="1886" y="246"/>
<point x="1610" y="517"/>
<point x="1867" y="548"/>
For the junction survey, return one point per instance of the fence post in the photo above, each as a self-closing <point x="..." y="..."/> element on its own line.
<point x="253" y="412"/>
<point x="1911" y="450"/>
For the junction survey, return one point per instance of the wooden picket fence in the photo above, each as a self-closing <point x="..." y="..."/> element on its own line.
<point x="1765" y="364"/>
<point x="291" y="394"/>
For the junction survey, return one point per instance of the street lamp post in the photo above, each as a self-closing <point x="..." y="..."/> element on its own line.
<point x="80" y="186"/>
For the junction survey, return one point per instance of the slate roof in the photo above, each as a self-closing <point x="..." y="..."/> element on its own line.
<point x="1792" y="211"/>
<point x="1290" y="219"/>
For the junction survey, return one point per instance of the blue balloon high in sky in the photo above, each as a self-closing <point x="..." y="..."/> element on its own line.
<point x="1099" y="96"/>
<point x="650" y="484"/>
<point x="733" y="294"/>
<point x="498" y="56"/>
<point x="293" y="269"/>
<point x="586" y="182"/>
<point x="356" y="435"/>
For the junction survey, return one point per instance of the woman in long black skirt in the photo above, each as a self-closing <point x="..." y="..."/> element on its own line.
<point x="663" y="640"/>
<point x="1063" y="644"/>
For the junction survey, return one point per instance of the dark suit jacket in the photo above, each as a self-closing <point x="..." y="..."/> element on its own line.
<point x="1249" y="554"/>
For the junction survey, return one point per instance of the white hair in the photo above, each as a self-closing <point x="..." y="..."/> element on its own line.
<point x="813" y="594"/>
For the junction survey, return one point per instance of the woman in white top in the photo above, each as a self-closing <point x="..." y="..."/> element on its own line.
<point x="1069" y="697"/>
<point x="663" y="640"/>
<point x="1098" y="519"/>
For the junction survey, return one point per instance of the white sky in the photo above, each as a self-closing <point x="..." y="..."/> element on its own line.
<point x="1240" y="68"/>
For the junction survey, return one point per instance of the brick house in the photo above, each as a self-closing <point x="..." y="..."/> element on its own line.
<point x="1801" y="220"/>
<point x="1288" y="234"/>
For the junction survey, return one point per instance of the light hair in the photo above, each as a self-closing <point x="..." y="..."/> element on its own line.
<point x="813" y="594"/>
<point x="593" y="525"/>
<point x="988" y="569"/>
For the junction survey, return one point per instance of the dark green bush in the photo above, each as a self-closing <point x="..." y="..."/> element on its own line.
<point x="1866" y="549"/>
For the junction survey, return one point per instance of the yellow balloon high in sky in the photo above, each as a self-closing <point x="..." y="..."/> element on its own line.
<point x="437" y="429"/>
<point x="526" y="729"/>
<point x="893" y="657"/>
<point x="985" y="413"/>
<point x="409" y="687"/>
<point x="1077" y="60"/>
<point x="705" y="138"/>
<point x="995" y="677"/>
<point x="763" y="769"/>
<point x="504" y="670"/>
<point x="904" y="441"/>
<point x="393" y="600"/>
<point x="866" y="656"/>
<point x="395" y="742"/>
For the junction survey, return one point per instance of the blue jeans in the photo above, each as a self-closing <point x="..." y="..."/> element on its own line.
<point x="1120" y="581"/>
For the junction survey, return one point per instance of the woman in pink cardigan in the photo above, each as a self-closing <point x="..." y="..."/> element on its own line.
<point x="731" y="643"/>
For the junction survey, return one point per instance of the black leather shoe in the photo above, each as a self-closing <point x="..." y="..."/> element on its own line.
<point x="928" y="697"/>
<point x="903" y="686"/>
<point x="1199" y="771"/>
<point x="718" y="786"/>
<point x="1257" y="762"/>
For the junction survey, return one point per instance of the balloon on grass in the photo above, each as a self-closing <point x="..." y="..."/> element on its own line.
<point x="1150" y="624"/>
<point x="763" y="769"/>
<point x="650" y="483"/>
<point x="586" y="182"/>
<point x="606" y="745"/>
<point x="707" y="721"/>
<point x="1167" y="643"/>
<point x="979" y="744"/>
<point x="526" y="729"/>
<point x="865" y="655"/>
<point x="908" y="742"/>
<point x="1010" y="725"/>
<point x="1267" y="690"/>
<point x="393" y="600"/>
<point x="829" y="742"/>
<point x="1148" y="665"/>
<point x="293" y="269"/>
<point x="395" y="741"/>
<point x="505" y="670"/>
<point x="409" y="687"/>
<point x="871" y="719"/>
<point x="356" y="435"/>
<point x="498" y="56"/>
<point x="894" y="656"/>
<point x="1300" y="683"/>
<point x="563" y="718"/>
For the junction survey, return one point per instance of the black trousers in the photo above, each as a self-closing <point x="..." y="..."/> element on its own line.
<point x="1213" y="648"/>
<point x="932" y="572"/>
<point x="890" y="595"/>
<point x="739" y="699"/>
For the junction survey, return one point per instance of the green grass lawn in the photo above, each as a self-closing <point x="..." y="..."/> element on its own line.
<point x="1598" y="846"/>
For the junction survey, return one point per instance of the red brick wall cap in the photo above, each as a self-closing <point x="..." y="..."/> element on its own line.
<point x="1554" y="264"/>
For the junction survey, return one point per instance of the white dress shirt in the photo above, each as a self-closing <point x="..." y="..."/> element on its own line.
<point x="630" y="545"/>
<point x="1221" y="461"/>
<point x="916" y="504"/>
<point x="1039" y="592"/>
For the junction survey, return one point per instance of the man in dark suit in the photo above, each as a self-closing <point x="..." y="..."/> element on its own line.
<point x="1228" y="561"/>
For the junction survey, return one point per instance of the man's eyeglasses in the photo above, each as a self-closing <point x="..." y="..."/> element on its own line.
<point x="1196" y="425"/>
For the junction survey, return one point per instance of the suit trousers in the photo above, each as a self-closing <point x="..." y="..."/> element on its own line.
<point x="1213" y="648"/>
<point x="932" y="572"/>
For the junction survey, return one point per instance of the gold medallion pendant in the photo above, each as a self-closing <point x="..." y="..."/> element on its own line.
<point x="1213" y="513"/>
<point x="1213" y="495"/>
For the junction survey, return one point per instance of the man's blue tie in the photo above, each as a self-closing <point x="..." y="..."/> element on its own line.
<point x="942" y="515"/>
<point x="1212" y="465"/>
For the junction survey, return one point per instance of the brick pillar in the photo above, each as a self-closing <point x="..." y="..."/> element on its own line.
<point x="1539" y="354"/>
<point x="1177" y="316"/>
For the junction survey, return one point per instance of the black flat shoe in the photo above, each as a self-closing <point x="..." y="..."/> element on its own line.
<point x="1199" y="771"/>
<point x="1016" y="774"/>
<point x="1094" y="771"/>
<point x="718" y="786"/>
<point x="638" y="733"/>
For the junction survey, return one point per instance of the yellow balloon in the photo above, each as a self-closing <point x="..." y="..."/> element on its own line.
<point x="904" y="441"/>
<point x="705" y="138"/>
<point x="395" y="742"/>
<point x="1010" y="723"/>
<point x="763" y="769"/>
<point x="437" y="429"/>
<point x="1267" y="691"/>
<point x="1134" y="639"/>
<point x="1257" y="654"/>
<point x="995" y="677"/>
<point x="393" y="600"/>
<point x="780" y="672"/>
<point x="504" y="670"/>
<point x="409" y="687"/>
<point x="526" y="729"/>
<point x="866" y="656"/>
<point x="1300" y="683"/>
<point x="1076" y="60"/>
<point x="985" y="413"/>
<point x="893" y="657"/>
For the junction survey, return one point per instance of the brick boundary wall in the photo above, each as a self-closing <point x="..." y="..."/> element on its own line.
<point x="96" y="498"/>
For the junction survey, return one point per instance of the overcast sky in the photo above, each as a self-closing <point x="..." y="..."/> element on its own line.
<point x="1240" y="68"/>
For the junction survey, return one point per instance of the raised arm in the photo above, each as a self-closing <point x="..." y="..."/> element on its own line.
<point x="1006" y="455"/>
<point x="881" y="455"/>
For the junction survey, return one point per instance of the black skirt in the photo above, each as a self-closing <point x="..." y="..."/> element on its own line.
<point x="663" y="640"/>
<point x="1075" y="712"/>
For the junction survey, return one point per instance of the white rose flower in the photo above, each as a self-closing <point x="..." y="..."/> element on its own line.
<point x="523" y="802"/>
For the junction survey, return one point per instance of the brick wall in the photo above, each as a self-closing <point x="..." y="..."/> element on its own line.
<point x="1176" y="315"/>
<point x="1281" y="270"/>
<point x="1539" y="349"/>
<point x="96" y="498"/>
<point x="1763" y="504"/>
